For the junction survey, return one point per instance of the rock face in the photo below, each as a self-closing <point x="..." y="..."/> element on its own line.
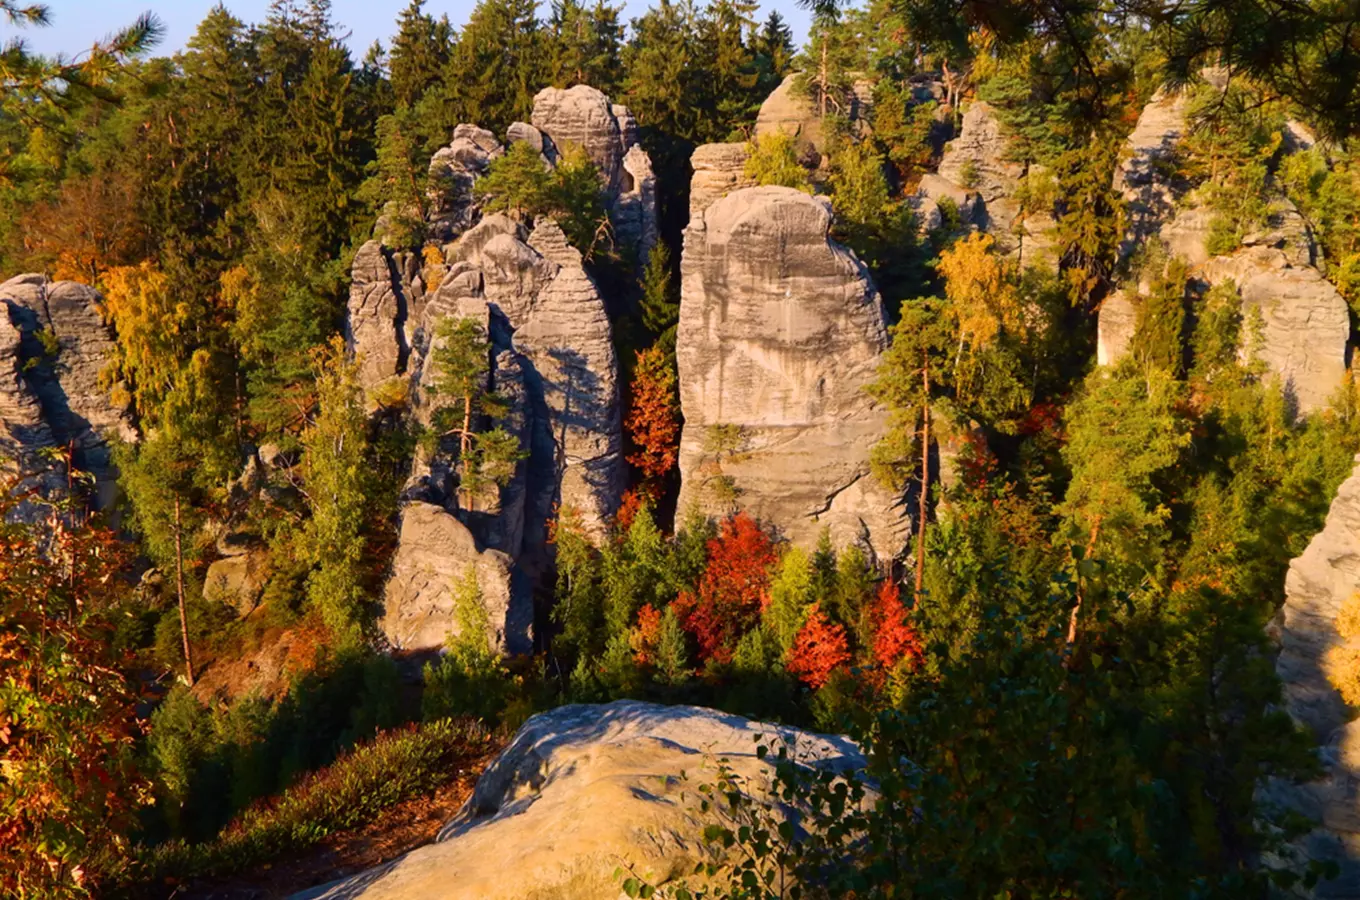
<point x="238" y="581"/>
<point x="1304" y="321"/>
<point x="1319" y="582"/>
<point x="788" y="111"/>
<point x="383" y="285"/>
<point x="976" y="161"/>
<point x="780" y="331"/>
<point x="581" y="791"/>
<point x="432" y="558"/>
<point x="54" y="348"/>
<point x="719" y="169"/>
<point x="1141" y="177"/>
<point x="552" y="356"/>
<point x="584" y="117"/>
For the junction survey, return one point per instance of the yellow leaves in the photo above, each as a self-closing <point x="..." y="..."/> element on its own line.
<point x="982" y="291"/>
<point x="433" y="257"/>
<point x="773" y="160"/>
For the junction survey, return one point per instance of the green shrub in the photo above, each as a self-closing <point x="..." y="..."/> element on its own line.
<point x="355" y="789"/>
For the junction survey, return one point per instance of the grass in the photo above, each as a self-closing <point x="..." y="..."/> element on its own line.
<point x="395" y="766"/>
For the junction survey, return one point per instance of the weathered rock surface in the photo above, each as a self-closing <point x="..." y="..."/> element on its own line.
<point x="780" y="331"/>
<point x="238" y="580"/>
<point x="789" y="111"/>
<point x="977" y="160"/>
<point x="573" y="373"/>
<point x="433" y="554"/>
<point x="1142" y="177"/>
<point x="1319" y="582"/>
<point x="54" y="349"/>
<point x="1114" y="327"/>
<point x="376" y="328"/>
<point x="580" y="791"/>
<point x="453" y="170"/>
<point x="719" y="169"/>
<point x="607" y="132"/>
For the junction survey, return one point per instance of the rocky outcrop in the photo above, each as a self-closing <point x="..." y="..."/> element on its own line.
<point x="1143" y="176"/>
<point x="54" y="351"/>
<point x="453" y="170"/>
<point x="584" y="117"/>
<point x="780" y="331"/>
<point x="1294" y="321"/>
<point x="719" y="169"/>
<point x="573" y="375"/>
<point x="1305" y="322"/>
<point x="790" y="111"/>
<point x="383" y="285"/>
<point x="238" y="580"/>
<point x="434" y="552"/>
<point x="583" y="790"/>
<point x="1320" y="581"/>
<point x="977" y="160"/>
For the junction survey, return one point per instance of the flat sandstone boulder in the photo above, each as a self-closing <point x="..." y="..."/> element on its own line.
<point x="581" y="791"/>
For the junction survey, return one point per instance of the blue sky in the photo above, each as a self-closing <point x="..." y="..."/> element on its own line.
<point x="78" y="23"/>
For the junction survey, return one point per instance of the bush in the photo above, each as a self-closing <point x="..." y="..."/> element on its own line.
<point x="394" y="767"/>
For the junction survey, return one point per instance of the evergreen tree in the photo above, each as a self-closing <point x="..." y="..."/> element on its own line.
<point x="773" y="47"/>
<point x="496" y="68"/>
<point x="336" y="482"/>
<point x="585" y="45"/>
<point x="420" y="51"/>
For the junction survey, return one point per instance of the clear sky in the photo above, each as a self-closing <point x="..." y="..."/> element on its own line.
<point x="78" y="23"/>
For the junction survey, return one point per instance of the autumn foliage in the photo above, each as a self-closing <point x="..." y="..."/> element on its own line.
<point x="67" y="727"/>
<point x="820" y="648"/>
<point x="733" y="589"/>
<point x="894" y="637"/>
<point x="653" y="418"/>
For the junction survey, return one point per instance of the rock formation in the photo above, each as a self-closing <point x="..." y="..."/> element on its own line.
<point x="1142" y="177"/>
<point x="1320" y="582"/>
<point x="1304" y="320"/>
<point x="238" y="580"/>
<point x="584" y="117"/>
<point x="54" y="349"/>
<point x="780" y="331"/>
<point x="552" y="356"/>
<point x="719" y="169"/>
<point x="433" y="555"/>
<point x="581" y="791"/>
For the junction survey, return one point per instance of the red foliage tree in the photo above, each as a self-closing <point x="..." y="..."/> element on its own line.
<point x="894" y="636"/>
<point x="647" y="634"/>
<point x="653" y="420"/>
<point x="821" y="647"/>
<point x="732" y="589"/>
<point x="67" y="727"/>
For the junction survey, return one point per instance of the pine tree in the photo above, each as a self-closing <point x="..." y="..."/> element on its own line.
<point x="585" y="45"/>
<point x="773" y="47"/>
<point x="335" y="480"/>
<point x="462" y="359"/>
<point x="660" y="306"/>
<point x="420" y="51"/>
<point x="671" y="657"/>
<point x="496" y="68"/>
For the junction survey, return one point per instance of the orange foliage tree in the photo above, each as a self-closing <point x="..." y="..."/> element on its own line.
<point x="733" y="588"/>
<point x="67" y="727"/>
<point x="653" y="417"/>
<point x="894" y="637"/>
<point x="90" y="228"/>
<point x="820" y="648"/>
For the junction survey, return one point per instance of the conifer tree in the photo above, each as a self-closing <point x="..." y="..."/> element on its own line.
<point x="420" y="51"/>
<point x="335" y="478"/>
<point x="496" y="68"/>
<point x="462" y="358"/>
<point x="585" y="45"/>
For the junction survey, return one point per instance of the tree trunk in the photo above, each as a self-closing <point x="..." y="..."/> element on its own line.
<point x="179" y="591"/>
<point x="925" y="481"/>
<point x="1076" y="610"/>
<point x="822" y="74"/>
